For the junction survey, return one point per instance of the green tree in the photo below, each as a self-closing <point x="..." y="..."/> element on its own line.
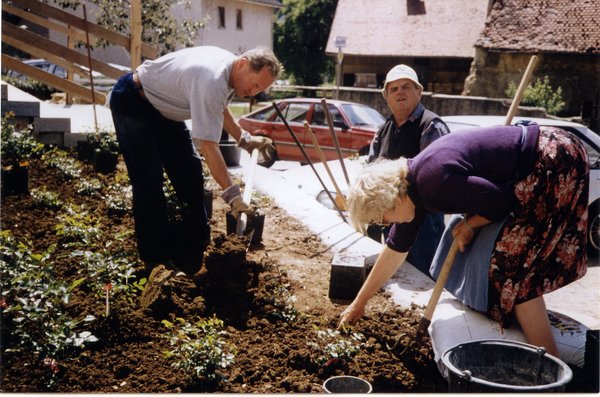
<point x="541" y="94"/>
<point x="160" y="28"/>
<point x="301" y="34"/>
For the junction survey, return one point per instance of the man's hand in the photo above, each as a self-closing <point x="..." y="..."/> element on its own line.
<point x="262" y="143"/>
<point x="233" y="196"/>
<point x="238" y="207"/>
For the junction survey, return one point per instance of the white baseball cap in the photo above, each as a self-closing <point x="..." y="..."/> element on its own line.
<point x="401" y="72"/>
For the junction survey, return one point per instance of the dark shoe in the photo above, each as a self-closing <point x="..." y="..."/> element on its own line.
<point x="189" y="264"/>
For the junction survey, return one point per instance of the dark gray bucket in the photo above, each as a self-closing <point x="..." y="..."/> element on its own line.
<point x="347" y="384"/>
<point x="231" y="153"/>
<point x="504" y="366"/>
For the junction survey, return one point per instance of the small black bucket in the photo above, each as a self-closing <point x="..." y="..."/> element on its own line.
<point x="255" y="223"/>
<point x="504" y="366"/>
<point x="347" y="384"/>
<point x="231" y="153"/>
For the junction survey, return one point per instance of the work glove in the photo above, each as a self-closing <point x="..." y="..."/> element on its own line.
<point x="233" y="196"/>
<point x="264" y="145"/>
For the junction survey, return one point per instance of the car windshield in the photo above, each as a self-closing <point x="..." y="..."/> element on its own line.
<point x="363" y="115"/>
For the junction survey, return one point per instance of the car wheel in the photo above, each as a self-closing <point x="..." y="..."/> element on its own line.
<point x="594" y="228"/>
<point x="268" y="160"/>
<point x="364" y="151"/>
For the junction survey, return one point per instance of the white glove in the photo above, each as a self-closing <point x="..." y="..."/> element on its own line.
<point x="233" y="196"/>
<point x="262" y="143"/>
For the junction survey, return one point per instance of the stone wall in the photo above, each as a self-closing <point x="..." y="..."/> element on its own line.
<point x="577" y="75"/>
<point x="444" y="105"/>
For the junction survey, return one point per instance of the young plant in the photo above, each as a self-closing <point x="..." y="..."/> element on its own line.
<point x="76" y="226"/>
<point x="283" y="302"/>
<point x="45" y="199"/>
<point x="334" y="347"/>
<point x="280" y="302"/>
<point x="109" y="275"/>
<point x="199" y="349"/>
<point x="18" y="145"/>
<point x="89" y="187"/>
<point x="118" y="200"/>
<point x="34" y="302"/>
<point x="68" y="167"/>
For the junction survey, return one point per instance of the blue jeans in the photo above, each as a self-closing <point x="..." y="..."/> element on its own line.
<point x="152" y="145"/>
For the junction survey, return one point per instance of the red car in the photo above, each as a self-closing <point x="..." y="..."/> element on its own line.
<point x="354" y="124"/>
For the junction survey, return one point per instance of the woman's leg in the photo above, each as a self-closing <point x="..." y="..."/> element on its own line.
<point x="533" y="318"/>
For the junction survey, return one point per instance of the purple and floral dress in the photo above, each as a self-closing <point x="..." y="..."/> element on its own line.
<point x="542" y="245"/>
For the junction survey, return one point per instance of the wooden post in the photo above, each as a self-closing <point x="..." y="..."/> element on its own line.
<point x="71" y="45"/>
<point x="91" y="69"/>
<point x="136" y="34"/>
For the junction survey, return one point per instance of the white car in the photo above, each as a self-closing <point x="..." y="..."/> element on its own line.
<point x="590" y="140"/>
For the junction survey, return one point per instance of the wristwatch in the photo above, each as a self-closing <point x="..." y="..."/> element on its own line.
<point x="245" y="137"/>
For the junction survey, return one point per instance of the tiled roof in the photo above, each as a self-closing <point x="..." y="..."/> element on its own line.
<point x="415" y="28"/>
<point x="571" y="26"/>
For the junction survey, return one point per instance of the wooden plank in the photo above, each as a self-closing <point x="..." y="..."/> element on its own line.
<point x="41" y="53"/>
<point x="73" y="56"/>
<point x="79" y="23"/>
<point x="45" y="22"/>
<point x="52" y="80"/>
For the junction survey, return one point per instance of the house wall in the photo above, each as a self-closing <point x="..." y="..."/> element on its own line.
<point x="257" y="25"/>
<point x="439" y="74"/>
<point x="577" y="75"/>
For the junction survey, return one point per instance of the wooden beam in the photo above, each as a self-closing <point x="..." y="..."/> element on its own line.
<point x="136" y="33"/>
<point x="59" y="83"/>
<point x="79" y="23"/>
<point x="73" y="56"/>
<point x="45" y="22"/>
<point x="41" y="53"/>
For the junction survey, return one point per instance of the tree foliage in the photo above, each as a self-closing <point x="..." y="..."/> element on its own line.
<point x="160" y="28"/>
<point x="301" y="34"/>
<point x="541" y="94"/>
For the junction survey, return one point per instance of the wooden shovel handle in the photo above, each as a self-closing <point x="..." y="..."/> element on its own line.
<point x="340" y="200"/>
<point x="522" y="86"/>
<point x="441" y="281"/>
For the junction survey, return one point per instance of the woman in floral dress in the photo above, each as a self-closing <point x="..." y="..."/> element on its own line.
<point x="533" y="179"/>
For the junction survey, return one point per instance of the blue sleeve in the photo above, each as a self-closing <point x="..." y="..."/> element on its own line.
<point x="403" y="235"/>
<point x="436" y="129"/>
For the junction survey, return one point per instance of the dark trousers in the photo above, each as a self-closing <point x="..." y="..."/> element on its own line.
<point x="152" y="145"/>
<point x="422" y="251"/>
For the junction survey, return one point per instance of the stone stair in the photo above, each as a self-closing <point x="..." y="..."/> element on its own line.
<point x="48" y="130"/>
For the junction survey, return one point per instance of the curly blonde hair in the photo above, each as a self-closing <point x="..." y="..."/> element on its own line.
<point x="374" y="190"/>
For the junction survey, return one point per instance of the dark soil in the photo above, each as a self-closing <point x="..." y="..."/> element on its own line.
<point x="247" y="290"/>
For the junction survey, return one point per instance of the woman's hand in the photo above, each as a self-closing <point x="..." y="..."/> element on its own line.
<point x="352" y="313"/>
<point x="464" y="234"/>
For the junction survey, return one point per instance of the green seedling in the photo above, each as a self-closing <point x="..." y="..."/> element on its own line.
<point x="200" y="348"/>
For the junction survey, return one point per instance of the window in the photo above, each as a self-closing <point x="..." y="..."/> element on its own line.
<point x="239" y="20"/>
<point x="296" y="112"/>
<point x="221" y="17"/>
<point x="318" y="116"/>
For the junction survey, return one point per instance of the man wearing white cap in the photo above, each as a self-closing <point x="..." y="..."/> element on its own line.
<point x="409" y="129"/>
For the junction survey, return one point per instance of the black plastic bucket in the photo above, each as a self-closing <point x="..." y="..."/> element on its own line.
<point x="504" y="366"/>
<point x="231" y="153"/>
<point x="347" y="384"/>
